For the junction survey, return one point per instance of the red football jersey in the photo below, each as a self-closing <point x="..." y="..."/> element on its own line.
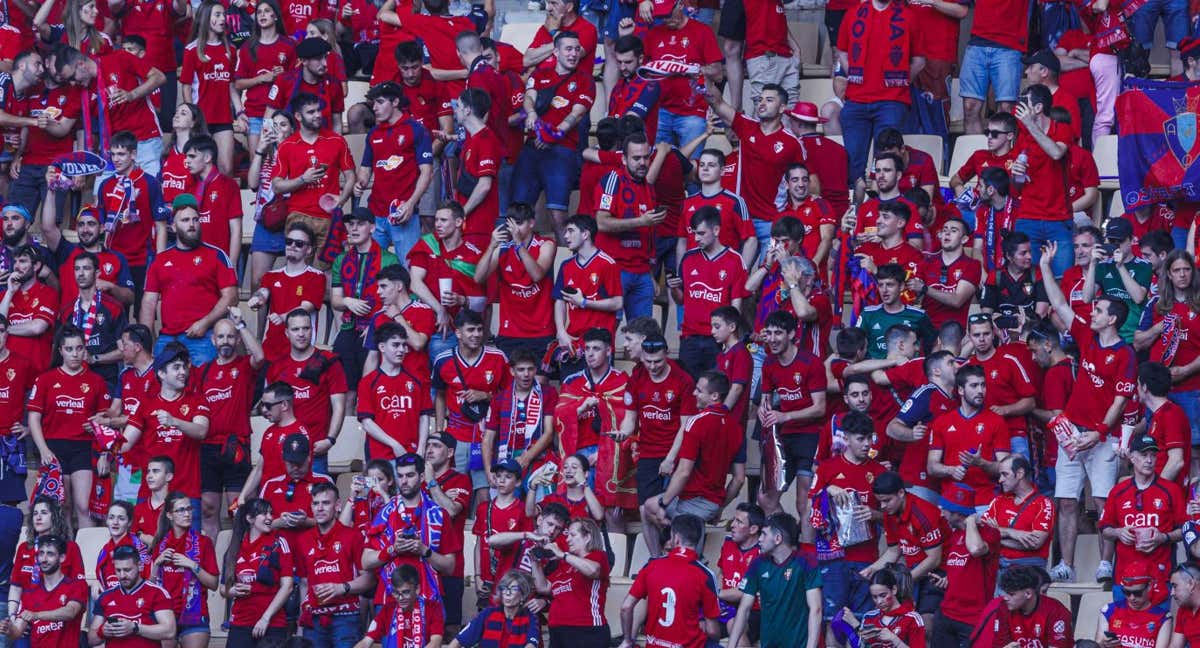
<point x="246" y="611"/>
<point x="972" y="580"/>
<point x="708" y="284"/>
<point x="138" y="605"/>
<point x="660" y="406"/>
<point x="1170" y="427"/>
<point x="1034" y="513"/>
<point x="1007" y="382"/>
<point x="211" y="80"/>
<point x="983" y="433"/>
<point x="61" y="102"/>
<point x="680" y="592"/>
<point x="295" y="156"/>
<point x="330" y="557"/>
<point x="710" y="442"/>
<point x="457" y="486"/>
<point x="396" y="403"/>
<point x="491" y="518"/>
<point x="265" y="58"/>
<point x="693" y="43"/>
<point x="55" y="634"/>
<point x="38" y="303"/>
<point x="526" y="307"/>
<point x="1044" y="196"/>
<point x="170" y="441"/>
<point x="174" y="176"/>
<point x="66" y="401"/>
<point x="481" y="156"/>
<point x="25" y="571"/>
<point x="228" y="391"/>
<point x="737" y="365"/>
<point x="942" y="278"/>
<point x="796" y="382"/>
<point x="765" y="163"/>
<point x="855" y="478"/>
<point x="271" y="448"/>
<point x="1105" y="374"/>
<point x="17" y="376"/>
<point x="189" y="283"/>
<point x="312" y="404"/>
<point x="903" y="621"/>
<point x="220" y="205"/>
<point x="454" y="375"/>
<point x="596" y="278"/>
<point x="121" y="70"/>
<point x="175" y="579"/>
<point x="578" y="88"/>
<point x="578" y="600"/>
<point x="919" y="526"/>
<point x="1135" y="627"/>
<point x="1159" y="506"/>
<point x="814" y="212"/>
<point x="626" y="198"/>
<point x="736" y="225"/>
<point x="287" y="293"/>
<point x="395" y="153"/>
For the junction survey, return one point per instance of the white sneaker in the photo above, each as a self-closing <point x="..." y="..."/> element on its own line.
<point x="1062" y="573"/>
<point x="1104" y="571"/>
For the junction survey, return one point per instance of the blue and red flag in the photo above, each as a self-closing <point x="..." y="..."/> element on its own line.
<point x="1159" y="146"/>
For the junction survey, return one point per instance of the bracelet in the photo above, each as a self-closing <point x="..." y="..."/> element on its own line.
<point x="346" y="587"/>
<point x="583" y="304"/>
<point x="137" y="628"/>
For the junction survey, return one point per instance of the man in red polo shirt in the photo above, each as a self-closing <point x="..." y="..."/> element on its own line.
<point x="948" y="279"/>
<point x="478" y="185"/>
<point x="310" y="77"/>
<point x="710" y="276"/>
<point x="820" y="222"/>
<point x="397" y="165"/>
<point x="626" y="215"/>
<point x="915" y="532"/>
<point x="219" y="196"/>
<point x="1023" y="517"/>
<point x="328" y="555"/>
<point x="966" y="444"/>
<point x="290" y="494"/>
<point x="124" y="82"/>
<point x="562" y="15"/>
<point x="194" y="283"/>
<point x="320" y="387"/>
<point x="393" y="404"/>
<point x="315" y="168"/>
<point x="878" y="47"/>
<point x="769" y="150"/>
<point x="1045" y="210"/>
<point x="31" y="307"/>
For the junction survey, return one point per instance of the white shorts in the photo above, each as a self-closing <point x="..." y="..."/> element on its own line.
<point x="1099" y="464"/>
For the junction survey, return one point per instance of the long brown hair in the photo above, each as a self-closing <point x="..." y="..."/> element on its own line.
<point x="242" y="525"/>
<point x="60" y="525"/>
<point x="79" y="31"/>
<point x="164" y="521"/>
<point x="1166" y="291"/>
<point x="256" y="31"/>
<point x="202" y="31"/>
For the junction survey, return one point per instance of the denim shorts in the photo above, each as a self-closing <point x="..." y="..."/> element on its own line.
<point x="1174" y="15"/>
<point x="843" y="587"/>
<point x="264" y="241"/>
<point x="554" y="169"/>
<point x="255" y="124"/>
<point x="680" y="129"/>
<point x="998" y="67"/>
<point x="1190" y="402"/>
<point x="200" y="350"/>
<point x="185" y="630"/>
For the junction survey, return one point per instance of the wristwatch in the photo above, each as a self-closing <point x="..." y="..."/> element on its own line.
<point x="428" y="553"/>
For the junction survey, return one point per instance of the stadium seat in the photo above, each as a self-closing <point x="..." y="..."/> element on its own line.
<point x="931" y="144"/>
<point x="1061" y="597"/>
<point x="1105" y="152"/>
<point x="1089" y="613"/>
<point x="216" y="614"/>
<point x="599" y="108"/>
<point x="964" y="146"/>
<point x="91" y="541"/>
<point x="357" y="92"/>
<point x="258" y="426"/>
<point x="713" y="539"/>
<point x="720" y="142"/>
<point x="638" y="556"/>
<point x="816" y="91"/>
<point x="1116" y="208"/>
<point x="612" y="605"/>
<point x="344" y="483"/>
<point x="347" y="453"/>
<point x="620" y="547"/>
<point x="468" y="553"/>
<point x="519" y="34"/>
<point x="956" y="107"/>
<point x="249" y="198"/>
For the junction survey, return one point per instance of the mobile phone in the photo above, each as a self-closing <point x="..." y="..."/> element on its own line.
<point x="1110" y="635"/>
<point x="369" y="482"/>
<point x="324" y="166"/>
<point x="570" y="289"/>
<point x="1108" y="248"/>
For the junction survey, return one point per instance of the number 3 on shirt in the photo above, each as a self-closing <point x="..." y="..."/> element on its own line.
<point x="668" y="616"/>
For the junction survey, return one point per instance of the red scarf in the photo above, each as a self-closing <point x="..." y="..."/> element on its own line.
<point x="896" y="63"/>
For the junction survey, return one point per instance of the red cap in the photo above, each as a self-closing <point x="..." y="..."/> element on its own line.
<point x="806" y="111"/>
<point x="958" y="498"/>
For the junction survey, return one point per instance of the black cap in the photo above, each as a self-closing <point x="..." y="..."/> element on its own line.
<point x="888" y="483"/>
<point x="295" y="448"/>
<point x="444" y="438"/>
<point x="359" y="214"/>
<point x="311" y="48"/>
<point x="1045" y="58"/>
<point x="1118" y="229"/>
<point x="508" y="466"/>
<point x="170" y="353"/>
<point x="1142" y="443"/>
<point x="389" y="89"/>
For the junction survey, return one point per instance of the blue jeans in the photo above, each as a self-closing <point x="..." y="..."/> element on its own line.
<point x="1190" y="402"/>
<point x="998" y="67"/>
<point x="1020" y="445"/>
<point x="436" y="345"/>
<point x="269" y="242"/>
<point x="200" y="350"/>
<point x="1179" y="237"/>
<point x="861" y="122"/>
<point x="149" y="155"/>
<point x="843" y="587"/>
<point x="1041" y="232"/>
<point x="505" y="188"/>
<point x="401" y="238"/>
<point x="1174" y="14"/>
<point x="554" y="168"/>
<point x="342" y="632"/>
<point x="680" y="129"/>
<point x="196" y="519"/>
<point x="762" y="232"/>
<point x="638" y="289"/>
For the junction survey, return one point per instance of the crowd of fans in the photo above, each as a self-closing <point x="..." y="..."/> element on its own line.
<point x="549" y="323"/>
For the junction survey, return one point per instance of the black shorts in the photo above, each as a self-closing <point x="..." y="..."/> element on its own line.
<point x="833" y="23"/>
<point x="579" y="636"/>
<point x="74" y="456"/>
<point x="928" y="599"/>
<point x="799" y="451"/>
<point x="213" y="129"/>
<point x="348" y="346"/>
<point x="650" y="484"/>
<point x="733" y="21"/>
<point x="452" y="601"/>
<point x="537" y="345"/>
<point x="217" y="476"/>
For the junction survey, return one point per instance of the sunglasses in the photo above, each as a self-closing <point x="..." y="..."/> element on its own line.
<point x="653" y="347"/>
<point x="980" y="318"/>
<point x="266" y="404"/>
<point x="407" y="460"/>
<point x="1136" y="593"/>
<point x="297" y="243"/>
<point x="996" y="133"/>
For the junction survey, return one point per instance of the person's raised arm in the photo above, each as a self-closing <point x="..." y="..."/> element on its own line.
<point x="717" y="102"/>
<point x="1058" y="301"/>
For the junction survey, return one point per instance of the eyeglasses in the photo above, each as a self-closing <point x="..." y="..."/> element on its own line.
<point x="996" y="133"/>
<point x="510" y="589"/>
<point x="297" y="243"/>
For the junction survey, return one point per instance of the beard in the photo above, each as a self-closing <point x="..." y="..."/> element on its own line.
<point x="226" y="350"/>
<point x="188" y="239"/>
<point x="16" y="238"/>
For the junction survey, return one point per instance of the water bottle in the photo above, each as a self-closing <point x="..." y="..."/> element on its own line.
<point x="1022" y="178"/>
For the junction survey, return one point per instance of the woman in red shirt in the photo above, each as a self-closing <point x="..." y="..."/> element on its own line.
<point x="119" y="522"/>
<point x="187" y="122"/>
<point x="258" y="568"/>
<point x="185" y="565"/>
<point x="78" y="28"/>
<point x="265" y="247"/>
<point x="45" y="519"/>
<point x="265" y="56"/>
<point x="573" y="491"/>
<point x="893" y="623"/>
<point x="207" y="80"/>
<point x="578" y="583"/>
